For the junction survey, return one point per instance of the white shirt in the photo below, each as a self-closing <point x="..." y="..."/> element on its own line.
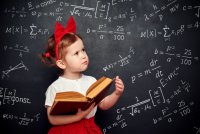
<point x="62" y="85"/>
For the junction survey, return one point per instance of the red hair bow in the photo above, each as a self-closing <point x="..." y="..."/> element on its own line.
<point x="60" y="31"/>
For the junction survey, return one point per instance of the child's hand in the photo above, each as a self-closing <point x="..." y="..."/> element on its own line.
<point x="82" y="113"/>
<point x="119" y="86"/>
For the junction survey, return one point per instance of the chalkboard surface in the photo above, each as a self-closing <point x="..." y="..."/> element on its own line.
<point x="152" y="45"/>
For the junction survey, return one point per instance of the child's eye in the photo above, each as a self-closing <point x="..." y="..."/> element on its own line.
<point x="83" y="49"/>
<point x="76" y="53"/>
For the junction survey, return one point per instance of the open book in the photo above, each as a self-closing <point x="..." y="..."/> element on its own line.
<point x="69" y="102"/>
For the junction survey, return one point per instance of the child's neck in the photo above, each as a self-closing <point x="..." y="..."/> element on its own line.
<point x="72" y="76"/>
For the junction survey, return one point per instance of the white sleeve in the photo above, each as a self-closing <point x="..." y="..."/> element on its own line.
<point x="50" y="96"/>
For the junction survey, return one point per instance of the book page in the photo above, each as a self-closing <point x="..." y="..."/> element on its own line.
<point x="95" y="85"/>
<point x="99" y="88"/>
<point x="70" y="95"/>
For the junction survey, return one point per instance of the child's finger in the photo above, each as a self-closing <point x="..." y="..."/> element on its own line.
<point x="119" y="86"/>
<point x="117" y="77"/>
<point x="119" y="82"/>
<point x="79" y="110"/>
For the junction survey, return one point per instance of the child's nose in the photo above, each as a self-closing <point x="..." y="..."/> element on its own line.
<point x="83" y="54"/>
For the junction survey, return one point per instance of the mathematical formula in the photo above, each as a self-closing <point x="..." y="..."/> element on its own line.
<point x="9" y="97"/>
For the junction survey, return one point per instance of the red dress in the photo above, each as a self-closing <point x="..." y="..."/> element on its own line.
<point x="85" y="126"/>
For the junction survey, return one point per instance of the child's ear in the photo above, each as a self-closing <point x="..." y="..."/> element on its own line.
<point x="60" y="64"/>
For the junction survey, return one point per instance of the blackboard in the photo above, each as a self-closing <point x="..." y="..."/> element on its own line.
<point x="152" y="45"/>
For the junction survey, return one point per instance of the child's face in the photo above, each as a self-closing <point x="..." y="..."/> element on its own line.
<point x="76" y="57"/>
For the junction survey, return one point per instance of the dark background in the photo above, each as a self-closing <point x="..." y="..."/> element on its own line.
<point x="152" y="45"/>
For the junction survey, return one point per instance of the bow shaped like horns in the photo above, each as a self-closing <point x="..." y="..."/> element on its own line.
<point x="60" y="31"/>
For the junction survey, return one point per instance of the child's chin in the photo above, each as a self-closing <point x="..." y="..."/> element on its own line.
<point x="85" y="68"/>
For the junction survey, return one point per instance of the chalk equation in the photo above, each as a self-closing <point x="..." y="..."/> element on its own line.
<point x="123" y="61"/>
<point x="186" y="57"/>
<point x="118" y="33"/>
<point x="17" y="48"/>
<point x="153" y="68"/>
<point x="9" y="97"/>
<point x="33" y="31"/>
<point x="101" y="10"/>
<point x="167" y="32"/>
<point x="182" y="109"/>
<point x="157" y="98"/>
<point x="158" y="11"/>
<point x="14" y="12"/>
<point x="22" y="120"/>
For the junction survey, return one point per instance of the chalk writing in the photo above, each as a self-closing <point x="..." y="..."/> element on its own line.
<point x="87" y="11"/>
<point x="13" y="12"/>
<point x="123" y="61"/>
<point x="119" y="122"/>
<point x="197" y="130"/>
<point x="197" y="8"/>
<point x="33" y="31"/>
<point x="157" y="96"/>
<point x="41" y="5"/>
<point x="161" y="79"/>
<point x="130" y="14"/>
<point x="19" y="66"/>
<point x="171" y="76"/>
<point x="102" y="10"/>
<point x="115" y="2"/>
<point x="22" y="120"/>
<point x="158" y="11"/>
<point x="18" y="48"/>
<point x="8" y="96"/>
<point x="148" y="71"/>
<point x="184" y="86"/>
<point x="185" y="58"/>
<point x="182" y="109"/>
<point x="118" y="33"/>
<point x="167" y="32"/>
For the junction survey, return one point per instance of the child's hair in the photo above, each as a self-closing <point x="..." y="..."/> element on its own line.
<point x="49" y="57"/>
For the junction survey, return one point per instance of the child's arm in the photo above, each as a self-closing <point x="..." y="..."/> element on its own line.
<point x="66" y="119"/>
<point x="111" y="99"/>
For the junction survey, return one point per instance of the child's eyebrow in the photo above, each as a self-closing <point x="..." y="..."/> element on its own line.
<point x="77" y="50"/>
<point x="82" y="48"/>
